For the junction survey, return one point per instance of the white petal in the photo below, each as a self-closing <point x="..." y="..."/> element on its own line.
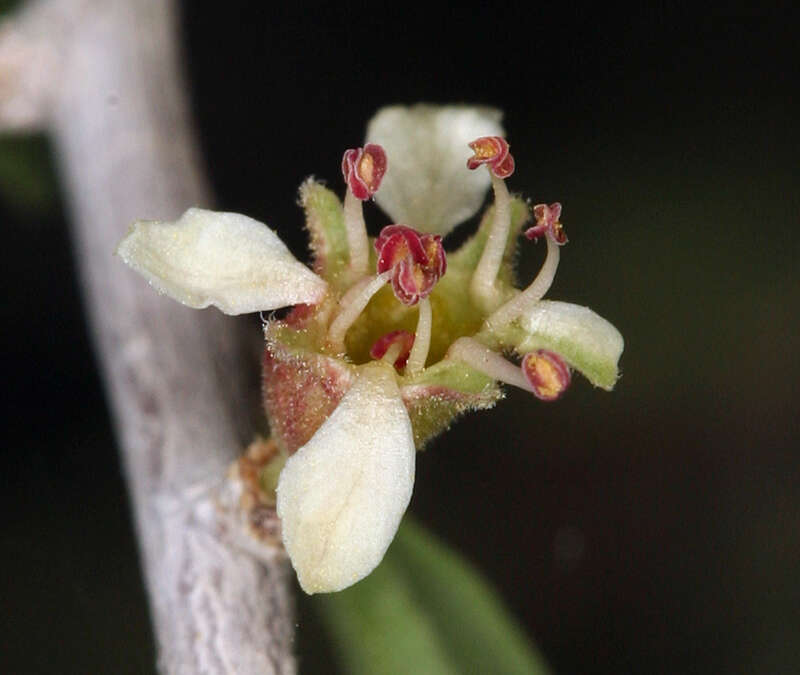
<point x="584" y="339"/>
<point x="342" y="495"/>
<point x="427" y="184"/>
<point x="224" y="259"/>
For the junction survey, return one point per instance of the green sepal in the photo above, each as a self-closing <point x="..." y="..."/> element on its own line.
<point x="456" y="376"/>
<point x="443" y="392"/>
<point x="325" y="224"/>
<point x="584" y="339"/>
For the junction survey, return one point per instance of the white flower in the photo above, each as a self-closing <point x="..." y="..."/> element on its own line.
<point x="350" y="390"/>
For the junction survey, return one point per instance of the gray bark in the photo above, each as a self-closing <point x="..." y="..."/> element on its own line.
<point x="103" y="77"/>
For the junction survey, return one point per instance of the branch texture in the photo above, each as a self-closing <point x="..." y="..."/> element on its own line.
<point x="103" y="76"/>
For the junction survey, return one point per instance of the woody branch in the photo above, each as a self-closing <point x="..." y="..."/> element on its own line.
<point x="103" y="78"/>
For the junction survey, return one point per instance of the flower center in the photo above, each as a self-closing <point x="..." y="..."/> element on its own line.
<point x="412" y="263"/>
<point x="371" y="324"/>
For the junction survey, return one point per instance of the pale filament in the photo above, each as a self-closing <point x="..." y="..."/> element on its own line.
<point x="352" y="304"/>
<point x="525" y="300"/>
<point x="392" y="354"/>
<point x="422" y="340"/>
<point x="357" y="241"/>
<point x="482" y="287"/>
<point x="487" y="361"/>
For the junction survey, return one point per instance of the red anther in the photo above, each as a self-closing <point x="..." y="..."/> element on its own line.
<point x="505" y="168"/>
<point x="547" y="222"/>
<point x="363" y="170"/>
<point x="494" y="151"/>
<point x="547" y="373"/>
<point x="417" y="261"/>
<point x="435" y="253"/>
<point x="402" y="337"/>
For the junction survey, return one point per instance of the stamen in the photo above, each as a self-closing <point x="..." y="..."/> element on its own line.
<point x="416" y="261"/>
<point x="402" y="340"/>
<point x="494" y="152"/>
<point x="548" y="222"/>
<point x="543" y="373"/>
<point x="548" y="226"/>
<point x="482" y="286"/>
<point x="352" y="304"/>
<point x="422" y="340"/>
<point x="392" y="355"/>
<point x="533" y="293"/>
<point x="363" y="170"/>
<point x="488" y="361"/>
<point x="547" y="373"/>
<point x="357" y="241"/>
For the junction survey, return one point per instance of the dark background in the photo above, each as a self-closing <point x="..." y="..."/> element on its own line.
<point x="650" y="530"/>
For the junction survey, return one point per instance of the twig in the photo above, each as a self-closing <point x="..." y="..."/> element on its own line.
<point x="103" y="77"/>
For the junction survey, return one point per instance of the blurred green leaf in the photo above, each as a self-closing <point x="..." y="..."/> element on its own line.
<point x="27" y="181"/>
<point x="425" y="610"/>
<point x="7" y="6"/>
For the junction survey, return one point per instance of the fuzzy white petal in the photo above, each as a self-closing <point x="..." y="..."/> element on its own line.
<point x="585" y="340"/>
<point x="427" y="184"/>
<point x="342" y="495"/>
<point x="224" y="259"/>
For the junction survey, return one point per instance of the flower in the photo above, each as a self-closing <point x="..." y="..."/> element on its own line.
<point x="387" y="344"/>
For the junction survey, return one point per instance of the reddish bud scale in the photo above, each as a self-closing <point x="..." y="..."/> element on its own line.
<point x="494" y="151"/>
<point x="548" y="223"/>
<point x="402" y="337"/>
<point x="417" y="261"/>
<point x="547" y="373"/>
<point x="363" y="170"/>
